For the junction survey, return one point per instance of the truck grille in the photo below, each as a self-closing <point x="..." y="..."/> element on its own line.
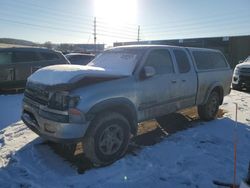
<point x="245" y="78"/>
<point x="245" y="71"/>
<point x="37" y="94"/>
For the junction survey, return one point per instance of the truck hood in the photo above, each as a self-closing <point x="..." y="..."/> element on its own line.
<point x="68" y="74"/>
<point x="244" y="65"/>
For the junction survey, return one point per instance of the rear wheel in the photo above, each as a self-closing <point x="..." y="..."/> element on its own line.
<point x="107" y="139"/>
<point x="209" y="110"/>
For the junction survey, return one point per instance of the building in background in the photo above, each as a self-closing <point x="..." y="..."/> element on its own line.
<point x="235" y="48"/>
<point x="88" y="48"/>
<point x="79" y="48"/>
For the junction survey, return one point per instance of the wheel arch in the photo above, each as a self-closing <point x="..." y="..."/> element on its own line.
<point x="217" y="87"/>
<point x="121" y="105"/>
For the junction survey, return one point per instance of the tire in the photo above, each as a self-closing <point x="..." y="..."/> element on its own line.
<point x="236" y="87"/>
<point x="209" y="110"/>
<point x="107" y="139"/>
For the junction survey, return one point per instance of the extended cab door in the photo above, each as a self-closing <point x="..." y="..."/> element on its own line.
<point x="7" y="70"/>
<point x="156" y="94"/>
<point x="187" y="78"/>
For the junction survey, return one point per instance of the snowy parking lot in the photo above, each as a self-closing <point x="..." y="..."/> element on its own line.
<point x="190" y="158"/>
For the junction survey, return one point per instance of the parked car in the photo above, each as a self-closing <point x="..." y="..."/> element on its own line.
<point x="17" y="64"/>
<point x="79" y="58"/>
<point x="102" y="103"/>
<point x="241" y="75"/>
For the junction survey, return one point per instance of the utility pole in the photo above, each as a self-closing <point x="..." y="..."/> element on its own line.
<point x="95" y="33"/>
<point x="138" y="34"/>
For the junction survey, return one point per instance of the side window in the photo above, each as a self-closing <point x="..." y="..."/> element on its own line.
<point x="219" y="60"/>
<point x="209" y="60"/>
<point x="85" y="59"/>
<point x="182" y="61"/>
<point x="76" y="58"/>
<point x="88" y="59"/>
<point x="161" y="60"/>
<point x="25" y="56"/>
<point x="5" y="57"/>
<point x="49" y="56"/>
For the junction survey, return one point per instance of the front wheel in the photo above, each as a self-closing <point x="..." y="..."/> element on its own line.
<point x="107" y="139"/>
<point x="209" y="110"/>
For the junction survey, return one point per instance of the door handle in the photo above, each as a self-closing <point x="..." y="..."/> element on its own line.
<point x="183" y="80"/>
<point x="173" y="81"/>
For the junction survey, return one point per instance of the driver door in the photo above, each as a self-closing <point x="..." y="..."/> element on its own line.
<point x="156" y="94"/>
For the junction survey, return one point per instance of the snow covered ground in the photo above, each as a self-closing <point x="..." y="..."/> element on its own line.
<point x="192" y="158"/>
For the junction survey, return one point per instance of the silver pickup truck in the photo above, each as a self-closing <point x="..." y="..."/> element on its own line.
<point x="241" y="75"/>
<point x="102" y="103"/>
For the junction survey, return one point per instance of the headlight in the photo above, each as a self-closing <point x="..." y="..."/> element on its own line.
<point x="73" y="101"/>
<point x="62" y="101"/>
<point x="236" y="71"/>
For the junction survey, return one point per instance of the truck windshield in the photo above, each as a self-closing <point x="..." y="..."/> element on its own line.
<point x="122" y="61"/>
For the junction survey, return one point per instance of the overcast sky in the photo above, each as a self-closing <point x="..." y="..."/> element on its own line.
<point x="118" y="20"/>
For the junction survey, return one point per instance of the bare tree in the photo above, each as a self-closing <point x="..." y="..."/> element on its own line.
<point x="48" y="45"/>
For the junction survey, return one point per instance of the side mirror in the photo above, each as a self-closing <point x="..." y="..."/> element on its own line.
<point x="148" y="71"/>
<point x="240" y="61"/>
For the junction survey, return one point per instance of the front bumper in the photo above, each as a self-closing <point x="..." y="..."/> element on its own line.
<point x="52" y="130"/>
<point x="241" y="80"/>
<point x="235" y="79"/>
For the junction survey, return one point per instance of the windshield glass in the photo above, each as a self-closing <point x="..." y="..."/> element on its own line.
<point x="122" y="61"/>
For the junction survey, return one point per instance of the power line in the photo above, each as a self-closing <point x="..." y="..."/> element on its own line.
<point x="43" y="26"/>
<point x="195" y="27"/>
<point x="68" y="14"/>
<point x="124" y="37"/>
<point x="116" y="35"/>
<point x="59" y="29"/>
<point x="120" y="34"/>
<point x="76" y="24"/>
<point x="127" y="31"/>
<point x="121" y="24"/>
<point x="44" y="10"/>
<point x="197" y="23"/>
<point x="57" y="21"/>
<point x="79" y="24"/>
<point x="115" y="32"/>
<point x="53" y="10"/>
<point x="49" y="8"/>
<point x="211" y="16"/>
<point x="112" y="26"/>
<point x="200" y="30"/>
<point x="54" y="18"/>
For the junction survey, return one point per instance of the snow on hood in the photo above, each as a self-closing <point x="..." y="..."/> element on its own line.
<point x="63" y="74"/>
<point x="244" y="65"/>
